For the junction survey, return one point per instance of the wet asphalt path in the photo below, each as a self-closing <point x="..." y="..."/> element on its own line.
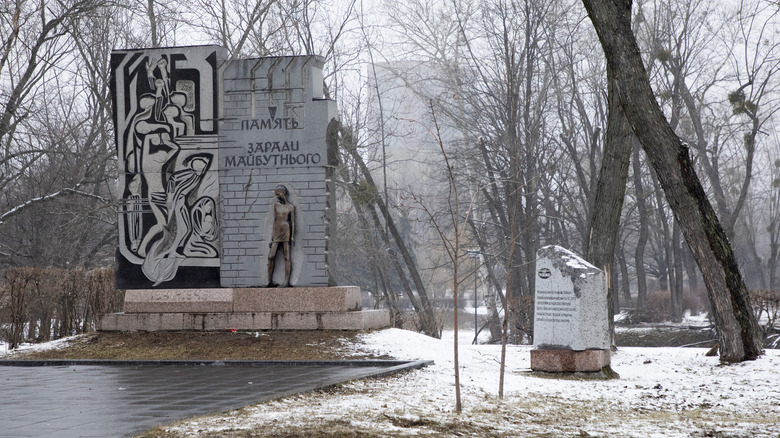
<point x="118" y="399"/>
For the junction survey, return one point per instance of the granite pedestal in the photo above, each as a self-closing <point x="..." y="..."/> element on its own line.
<point x="569" y="361"/>
<point x="304" y="308"/>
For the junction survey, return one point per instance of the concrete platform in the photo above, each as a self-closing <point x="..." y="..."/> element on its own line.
<point x="569" y="361"/>
<point x="297" y="308"/>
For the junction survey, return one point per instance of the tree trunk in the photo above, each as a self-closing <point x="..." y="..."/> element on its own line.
<point x="614" y="305"/>
<point x="665" y="273"/>
<point x="515" y="286"/>
<point x="677" y="284"/>
<point x="739" y="333"/>
<point x="610" y="193"/>
<point x="774" y="251"/>
<point x="625" y="287"/>
<point x="693" y="274"/>
<point x="641" y="208"/>
<point x="494" y="320"/>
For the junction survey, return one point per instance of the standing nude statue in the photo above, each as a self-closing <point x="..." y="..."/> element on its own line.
<point x="283" y="233"/>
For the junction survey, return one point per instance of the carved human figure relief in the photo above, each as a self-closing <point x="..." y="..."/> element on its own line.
<point x="168" y="217"/>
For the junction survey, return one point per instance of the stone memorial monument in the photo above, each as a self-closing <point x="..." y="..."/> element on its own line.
<point x="571" y="326"/>
<point x="226" y="190"/>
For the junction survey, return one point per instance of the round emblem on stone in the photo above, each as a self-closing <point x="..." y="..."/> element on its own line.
<point x="544" y="273"/>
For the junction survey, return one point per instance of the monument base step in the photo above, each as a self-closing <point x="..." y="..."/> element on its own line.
<point x="355" y="320"/>
<point x="569" y="361"/>
<point x="243" y="300"/>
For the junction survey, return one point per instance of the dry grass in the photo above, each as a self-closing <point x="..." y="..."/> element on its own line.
<point x="364" y="426"/>
<point x="537" y="417"/>
<point x="192" y="345"/>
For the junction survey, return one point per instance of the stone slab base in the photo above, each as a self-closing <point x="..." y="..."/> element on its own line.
<point x="242" y="300"/>
<point x="357" y="320"/>
<point x="569" y="361"/>
<point x="295" y="308"/>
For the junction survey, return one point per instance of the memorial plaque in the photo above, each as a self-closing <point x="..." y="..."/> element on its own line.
<point x="570" y="308"/>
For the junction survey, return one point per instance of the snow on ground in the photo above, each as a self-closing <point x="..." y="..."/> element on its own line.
<point x="661" y="392"/>
<point x="59" y="343"/>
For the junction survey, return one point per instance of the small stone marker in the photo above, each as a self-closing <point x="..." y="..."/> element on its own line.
<point x="571" y="327"/>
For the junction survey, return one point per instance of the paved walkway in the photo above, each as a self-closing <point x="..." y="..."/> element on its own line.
<point x="118" y="399"/>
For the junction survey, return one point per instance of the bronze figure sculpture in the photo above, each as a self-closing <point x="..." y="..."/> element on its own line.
<point x="283" y="233"/>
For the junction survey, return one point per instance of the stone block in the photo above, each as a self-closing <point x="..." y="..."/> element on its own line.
<point x="297" y="299"/>
<point x="251" y="321"/>
<point x="295" y="321"/>
<point x="569" y="361"/>
<point x="308" y="308"/>
<point x="376" y="319"/>
<point x="141" y="322"/>
<point x="108" y="322"/>
<point x="357" y="320"/>
<point x="178" y="300"/>
<point x="217" y="321"/>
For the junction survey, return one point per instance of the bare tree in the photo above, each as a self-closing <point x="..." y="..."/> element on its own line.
<point x="451" y="228"/>
<point x="610" y="193"/>
<point x="243" y="27"/>
<point x="55" y="139"/>
<point x="34" y="44"/>
<point x="695" y="50"/>
<point x="371" y="203"/>
<point x="642" y="216"/>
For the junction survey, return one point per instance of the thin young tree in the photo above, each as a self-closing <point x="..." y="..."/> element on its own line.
<point x="450" y="228"/>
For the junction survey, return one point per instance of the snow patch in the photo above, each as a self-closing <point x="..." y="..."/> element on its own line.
<point x="690" y="392"/>
<point x="26" y="347"/>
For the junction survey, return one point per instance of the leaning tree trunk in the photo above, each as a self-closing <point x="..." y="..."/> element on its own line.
<point x="610" y="193"/>
<point x="426" y="316"/>
<point x="739" y="333"/>
<point x="625" y="280"/>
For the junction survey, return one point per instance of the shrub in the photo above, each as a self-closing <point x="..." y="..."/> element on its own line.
<point x="696" y="301"/>
<point x="42" y="304"/>
<point x="766" y="305"/>
<point x="657" y="308"/>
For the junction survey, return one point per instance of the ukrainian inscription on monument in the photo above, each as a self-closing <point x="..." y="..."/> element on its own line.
<point x="570" y="313"/>
<point x="556" y="306"/>
<point x="273" y="134"/>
